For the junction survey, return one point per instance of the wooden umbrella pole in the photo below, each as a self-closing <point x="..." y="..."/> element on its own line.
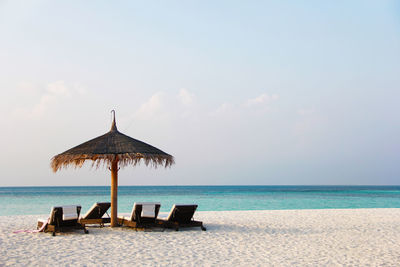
<point x="114" y="192"/>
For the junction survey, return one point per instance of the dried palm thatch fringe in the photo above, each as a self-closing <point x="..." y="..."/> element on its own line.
<point x="103" y="150"/>
<point x="64" y="160"/>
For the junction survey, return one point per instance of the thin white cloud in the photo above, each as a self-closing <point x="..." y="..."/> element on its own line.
<point x="185" y="97"/>
<point x="223" y="109"/>
<point x="169" y="106"/>
<point x="45" y="101"/>
<point x="152" y="107"/>
<point x="52" y="94"/>
<point x="166" y="105"/>
<point x="261" y="99"/>
<point x="54" y="91"/>
<point x="58" y="88"/>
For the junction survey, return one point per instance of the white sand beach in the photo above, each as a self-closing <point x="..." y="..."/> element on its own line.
<point x="358" y="237"/>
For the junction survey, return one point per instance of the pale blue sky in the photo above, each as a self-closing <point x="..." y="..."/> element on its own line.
<point x="240" y="92"/>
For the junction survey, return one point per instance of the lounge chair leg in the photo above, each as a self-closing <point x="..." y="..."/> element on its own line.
<point x="53" y="233"/>
<point x="203" y="228"/>
<point x="86" y="231"/>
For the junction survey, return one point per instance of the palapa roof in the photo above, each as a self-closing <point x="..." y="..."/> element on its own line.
<point x="110" y="146"/>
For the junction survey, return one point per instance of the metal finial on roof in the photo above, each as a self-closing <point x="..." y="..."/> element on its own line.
<point x="113" y="125"/>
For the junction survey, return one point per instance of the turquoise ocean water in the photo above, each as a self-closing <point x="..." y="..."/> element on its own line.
<point x="39" y="200"/>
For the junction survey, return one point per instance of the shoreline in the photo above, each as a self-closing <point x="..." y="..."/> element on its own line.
<point x="239" y="238"/>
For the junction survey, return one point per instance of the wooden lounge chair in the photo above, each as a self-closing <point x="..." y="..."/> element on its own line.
<point x="181" y="216"/>
<point x="62" y="219"/>
<point x="143" y="215"/>
<point x="95" y="214"/>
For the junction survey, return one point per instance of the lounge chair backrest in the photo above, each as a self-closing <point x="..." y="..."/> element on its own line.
<point x="56" y="216"/>
<point x="182" y="213"/>
<point x="97" y="211"/>
<point x="69" y="213"/>
<point x="145" y="211"/>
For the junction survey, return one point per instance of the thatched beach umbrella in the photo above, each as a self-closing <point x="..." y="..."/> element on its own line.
<point x="113" y="149"/>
